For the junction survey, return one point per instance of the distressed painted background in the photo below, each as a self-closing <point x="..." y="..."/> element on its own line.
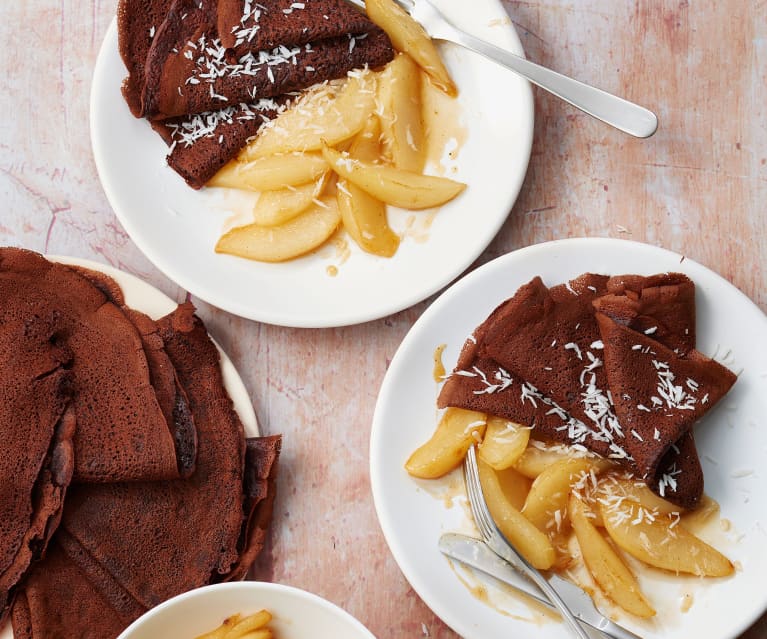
<point x="699" y="187"/>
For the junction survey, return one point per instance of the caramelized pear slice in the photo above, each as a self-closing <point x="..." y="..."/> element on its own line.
<point x="296" y="237"/>
<point x="456" y="431"/>
<point x="605" y="565"/>
<point x="404" y="189"/>
<point x="661" y="541"/>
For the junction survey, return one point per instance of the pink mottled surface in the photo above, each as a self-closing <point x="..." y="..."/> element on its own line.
<point x="699" y="187"/>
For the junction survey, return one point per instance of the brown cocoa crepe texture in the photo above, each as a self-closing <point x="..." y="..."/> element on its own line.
<point x="177" y="83"/>
<point x="199" y="161"/>
<point x="286" y="22"/>
<point x="36" y="428"/>
<point x="469" y="384"/>
<point x="664" y="304"/>
<point x="168" y="519"/>
<point x="632" y="362"/>
<point x="171" y="396"/>
<point x="155" y="39"/>
<point x="137" y="22"/>
<point x="61" y="600"/>
<point x="528" y="337"/>
<point x="125" y="547"/>
<point x="260" y="488"/>
<point x="121" y="431"/>
<point x="137" y="544"/>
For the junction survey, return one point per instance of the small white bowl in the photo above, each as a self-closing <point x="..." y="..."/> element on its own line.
<point x="297" y="614"/>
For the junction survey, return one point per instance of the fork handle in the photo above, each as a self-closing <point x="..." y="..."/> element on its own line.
<point x="622" y="114"/>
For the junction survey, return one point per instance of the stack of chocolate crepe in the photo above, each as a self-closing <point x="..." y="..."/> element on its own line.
<point x="127" y="477"/>
<point x="209" y="73"/>
<point x="606" y="364"/>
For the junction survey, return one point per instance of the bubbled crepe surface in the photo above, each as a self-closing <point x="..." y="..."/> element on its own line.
<point x="36" y="429"/>
<point x="121" y="431"/>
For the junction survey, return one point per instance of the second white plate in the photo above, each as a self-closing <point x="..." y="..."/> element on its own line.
<point x="177" y="227"/>
<point x="731" y="440"/>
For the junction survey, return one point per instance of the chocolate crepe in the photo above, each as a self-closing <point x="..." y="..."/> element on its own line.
<point x="261" y="455"/>
<point x="551" y="340"/>
<point x="202" y="144"/>
<point x="36" y="428"/>
<point x="137" y="23"/>
<point x="66" y="598"/>
<point x="215" y="99"/>
<point x="125" y="547"/>
<point x="170" y="394"/>
<point x="481" y="384"/>
<point x="664" y="305"/>
<point x="658" y="395"/>
<point x="187" y="70"/>
<point x="246" y="25"/>
<point x="538" y="360"/>
<point x="122" y="433"/>
<point x="157" y="539"/>
<point x="71" y="596"/>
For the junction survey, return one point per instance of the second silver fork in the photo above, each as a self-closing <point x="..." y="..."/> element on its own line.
<point x="501" y="547"/>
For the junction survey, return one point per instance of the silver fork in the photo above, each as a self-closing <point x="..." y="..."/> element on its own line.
<point x="622" y="114"/>
<point x="502" y="547"/>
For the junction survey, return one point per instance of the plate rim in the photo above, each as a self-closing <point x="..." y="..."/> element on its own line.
<point x="393" y="541"/>
<point x="255" y="588"/>
<point x="175" y="272"/>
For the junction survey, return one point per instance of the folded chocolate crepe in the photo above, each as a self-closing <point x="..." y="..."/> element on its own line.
<point x="261" y="456"/>
<point x="36" y="427"/>
<point x="137" y="24"/>
<point x="658" y="396"/>
<point x="481" y="384"/>
<point x="69" y="596"/>
<point x="551" y="340"/>
<point x="139" y="543"/>
<point x="201" y="144"/>
<point x="170" y="394"/>
<point x="188" y="71"/>
<point x="540" y="359"/>
<point x="122" y="433"/>
<point x="250" y="25"/>
<point x="213" y="99"/>
<point x="664" y="305"/>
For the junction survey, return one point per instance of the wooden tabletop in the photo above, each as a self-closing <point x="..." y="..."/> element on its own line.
<point x="698" y="187"/>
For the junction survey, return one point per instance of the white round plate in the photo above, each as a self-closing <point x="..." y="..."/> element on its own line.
<point x="177" y="227"/>
<point x="731" y="440"/>
<point x="146" y="298"/>
<point x="296" y="614"/>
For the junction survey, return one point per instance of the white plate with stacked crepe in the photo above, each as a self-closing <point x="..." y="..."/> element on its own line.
<point x="177" y="227"/>
<point x="145" y="298"/>
<point x="731" y="442"/>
